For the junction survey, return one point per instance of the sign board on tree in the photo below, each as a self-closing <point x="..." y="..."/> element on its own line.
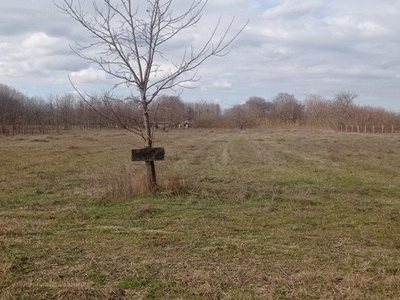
<point x="148" y="154"/>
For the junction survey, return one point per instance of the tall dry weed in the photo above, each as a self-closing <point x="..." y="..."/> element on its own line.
<point x="177" y="185"/>
<point x="117" y="184"/>
<point x="114" y="185"/>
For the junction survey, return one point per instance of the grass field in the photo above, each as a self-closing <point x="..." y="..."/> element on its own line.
<point x="261" y="214"/>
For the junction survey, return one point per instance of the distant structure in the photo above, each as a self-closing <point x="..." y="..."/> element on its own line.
<point x="165" y="125"/>
<point x="185" y="124"/>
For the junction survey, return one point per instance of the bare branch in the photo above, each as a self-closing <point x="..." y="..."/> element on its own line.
<point x="117" y="118"/>
<point x="128" y="44"/>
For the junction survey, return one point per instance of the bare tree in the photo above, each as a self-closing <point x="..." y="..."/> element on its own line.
<point x="65" y="108"/>
<point x="343" y="104"/>
<point x="258" y="109"/>
<point x="204" y="114"/>
<point x="286" y="109"/>
<point x="239" y="115"/>
<point x="318" y="111"/>
<point x="129" y="43"/>
<point x="12" y="109"/>
<point x="169" y="111"/>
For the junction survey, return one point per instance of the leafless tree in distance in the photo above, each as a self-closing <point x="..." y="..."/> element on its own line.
<point x="128" y="42"/>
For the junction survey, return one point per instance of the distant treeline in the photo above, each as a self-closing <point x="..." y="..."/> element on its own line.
<point x="20" y="114"/>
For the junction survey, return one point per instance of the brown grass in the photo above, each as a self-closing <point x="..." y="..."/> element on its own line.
<point x="260" y="214"/>
<point x="120" y="184"/>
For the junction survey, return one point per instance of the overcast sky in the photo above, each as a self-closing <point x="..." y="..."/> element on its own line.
<point x="299" y="47"/>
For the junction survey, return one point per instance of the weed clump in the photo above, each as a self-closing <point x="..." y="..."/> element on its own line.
<point x="125" y="182"/>
<point x="119" y="184"/>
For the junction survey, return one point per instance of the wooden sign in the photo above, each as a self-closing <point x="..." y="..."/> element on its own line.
<point x="148" y="154"/>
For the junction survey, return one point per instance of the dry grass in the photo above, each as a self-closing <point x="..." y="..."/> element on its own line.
<point x="277" y="214"/>
<point x="119" y="184"/>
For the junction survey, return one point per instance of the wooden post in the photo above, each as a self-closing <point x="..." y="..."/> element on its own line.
<point x="365" y="128"/>
<point x="373" y="128"/>
<point x="149" y="155"/>
<point x="383" y="128"/>
<point x="151" y="174"/>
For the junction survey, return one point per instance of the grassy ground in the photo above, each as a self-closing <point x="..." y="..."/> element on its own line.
<point x="263" y="214"/>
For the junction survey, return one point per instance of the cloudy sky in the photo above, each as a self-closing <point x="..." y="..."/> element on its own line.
<point x="299" y="47"/>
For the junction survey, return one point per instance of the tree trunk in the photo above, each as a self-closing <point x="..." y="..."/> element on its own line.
<point x="151" y="179"/>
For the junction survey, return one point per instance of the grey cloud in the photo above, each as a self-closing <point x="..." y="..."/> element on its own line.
<point x="292" y="10"/>
<point x="289" y="46"/>
<point x="67" y="63"/>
